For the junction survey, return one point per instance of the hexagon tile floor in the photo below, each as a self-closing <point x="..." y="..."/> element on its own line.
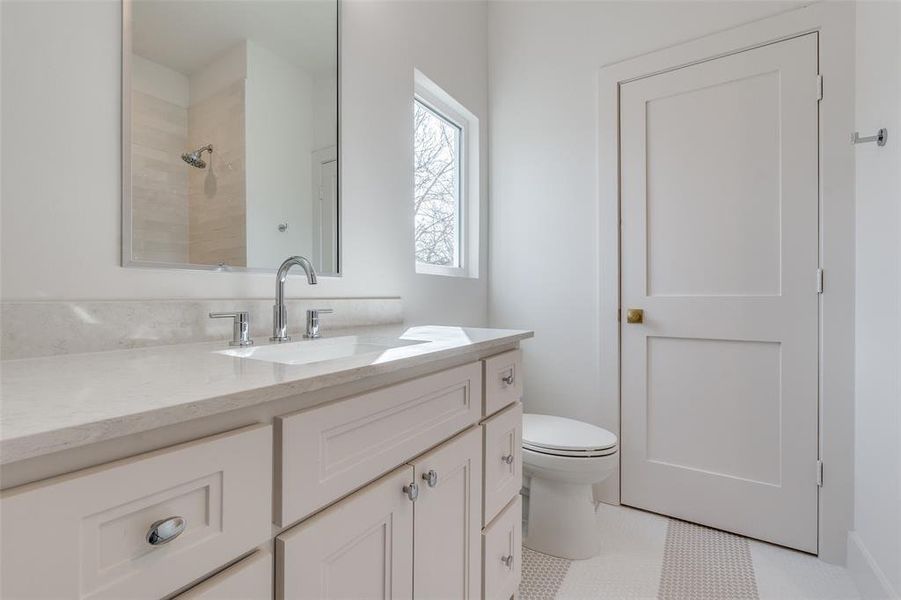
<point x="648" y="556"/>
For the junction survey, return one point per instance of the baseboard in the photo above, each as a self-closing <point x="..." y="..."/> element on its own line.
<point x="870" y="580"/>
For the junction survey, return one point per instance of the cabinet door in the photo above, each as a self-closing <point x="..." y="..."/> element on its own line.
<point x="448" y="520"/>
<point x="360" y="548"/>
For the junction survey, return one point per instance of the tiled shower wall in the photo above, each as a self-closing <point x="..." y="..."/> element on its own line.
<point x="216" y="195"/>
<point x="182" y="214"/>
<point x="159" y="179"/>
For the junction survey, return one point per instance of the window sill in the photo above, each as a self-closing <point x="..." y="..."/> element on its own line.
<point x="442" y="271"/>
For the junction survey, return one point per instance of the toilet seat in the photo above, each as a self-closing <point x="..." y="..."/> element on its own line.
<point x="570" y="453"/>
<point x="559" y="436"/>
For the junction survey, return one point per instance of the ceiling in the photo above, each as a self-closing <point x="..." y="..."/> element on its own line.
<point x="186" y="35"/>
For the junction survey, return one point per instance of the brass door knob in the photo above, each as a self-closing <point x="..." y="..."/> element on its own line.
<point x="634" y="315"/>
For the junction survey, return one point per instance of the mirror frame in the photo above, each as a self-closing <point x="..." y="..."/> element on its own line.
<point x="127" y="233"/>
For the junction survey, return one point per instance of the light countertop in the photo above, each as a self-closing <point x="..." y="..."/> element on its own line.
<point x="62" y="402"/>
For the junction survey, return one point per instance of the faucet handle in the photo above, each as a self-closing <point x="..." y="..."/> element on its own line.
<point x="240" y="326"/>
<point x="313" y="321"/>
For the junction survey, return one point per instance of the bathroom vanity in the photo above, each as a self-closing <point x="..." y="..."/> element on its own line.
<point x="383" y="463"/>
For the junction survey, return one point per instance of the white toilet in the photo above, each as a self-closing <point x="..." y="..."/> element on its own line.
<point x="562" y="458"/>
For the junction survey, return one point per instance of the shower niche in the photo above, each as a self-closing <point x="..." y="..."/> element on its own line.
<point x="230" y="134"/>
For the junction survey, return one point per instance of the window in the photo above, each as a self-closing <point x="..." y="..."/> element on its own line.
<point x="436" y="187"/>
<point x="442" y="181"/>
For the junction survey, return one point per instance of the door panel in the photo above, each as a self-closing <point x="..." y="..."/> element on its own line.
<point x="720" y="249"/>
<point x="360" y="548"/>
<point x="448" y="562"/>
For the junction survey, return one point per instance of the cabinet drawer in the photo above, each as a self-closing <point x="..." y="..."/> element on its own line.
<point x="503" y="381"/>
<point x="84" y="535"/>
<point x="502" y="553"/>
<point x="248" y="579"/>
<point x="328" y="451"/>
<point x="503" y="459"/>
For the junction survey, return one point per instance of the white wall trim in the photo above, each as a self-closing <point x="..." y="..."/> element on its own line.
<point x="835" y="23"/>
<point x="870" y="580"/>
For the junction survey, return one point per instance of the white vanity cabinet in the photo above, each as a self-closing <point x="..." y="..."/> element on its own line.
<point x="406" y="489"/>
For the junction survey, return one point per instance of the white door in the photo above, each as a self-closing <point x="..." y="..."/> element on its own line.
<point x="358" y="549"/>
<point x="719" y="198"/>
<point x="448" y="521"/>
<point x="325" y="210"/>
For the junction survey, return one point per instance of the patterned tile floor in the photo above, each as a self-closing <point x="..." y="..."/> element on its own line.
<point x="647" y="556"/>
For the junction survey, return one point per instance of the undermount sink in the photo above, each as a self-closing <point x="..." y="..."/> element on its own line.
<point x="312" y="351"/>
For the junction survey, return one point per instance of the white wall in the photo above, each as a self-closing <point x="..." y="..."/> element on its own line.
<point x="875" y="547"/>
<point x="325" y="110"/>
<point x="61" y="138"/>
<point x="544" y="62"/>
<point x="219" y="74"/>
<point x="159" y="81"/>
<point x="279" y="119"/>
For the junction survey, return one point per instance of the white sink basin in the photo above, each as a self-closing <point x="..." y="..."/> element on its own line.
<point x="312" y="351"/>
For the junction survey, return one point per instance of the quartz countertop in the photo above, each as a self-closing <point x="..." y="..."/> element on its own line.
<point x="61" y="402"/>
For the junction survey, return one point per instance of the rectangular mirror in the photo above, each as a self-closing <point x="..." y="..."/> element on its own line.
<point x="230" y="134"/>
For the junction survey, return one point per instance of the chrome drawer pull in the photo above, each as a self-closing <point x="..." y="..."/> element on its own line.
<point x="166" y="530"/>
<point x="508" y="561"/>
<point x="508" y="379"/>
<point x="508" y="459"/>
<point x="431" y="477"/>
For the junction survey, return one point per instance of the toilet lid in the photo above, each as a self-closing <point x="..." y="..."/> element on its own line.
<point x="546" y="432"/>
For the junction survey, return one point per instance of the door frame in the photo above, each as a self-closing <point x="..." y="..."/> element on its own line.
<point x="834" y="22"/>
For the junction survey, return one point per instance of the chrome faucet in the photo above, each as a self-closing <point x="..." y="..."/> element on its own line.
<point x="279" y="312"/>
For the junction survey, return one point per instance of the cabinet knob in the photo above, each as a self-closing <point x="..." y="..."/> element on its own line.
<point x="431" y="477"/>
<point x="412" y="491"/>
<point x="508" y="561"/>
<point x="509" y="379"/>
<point x="166" y="530"/>
<point x="634" y="315"/>
<point x="508" y="459"/>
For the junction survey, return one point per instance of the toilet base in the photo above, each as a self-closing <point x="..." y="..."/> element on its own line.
<point x="562" y="519"/>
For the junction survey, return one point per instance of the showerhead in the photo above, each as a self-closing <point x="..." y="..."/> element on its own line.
<point x="194" y="158"/>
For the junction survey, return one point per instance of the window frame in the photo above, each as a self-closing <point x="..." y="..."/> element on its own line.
<point x="446" y="108"/>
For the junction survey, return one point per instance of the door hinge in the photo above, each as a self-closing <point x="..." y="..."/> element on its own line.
<point x="819" y="281"/>
<point x="819" y="87"/>
<point x="819" y="473"/>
